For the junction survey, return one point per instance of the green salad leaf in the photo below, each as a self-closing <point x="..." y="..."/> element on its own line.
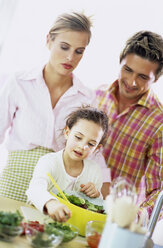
<point x="41" y="240"/>
<point x="10" y="218"/>
<point x="10" y="225"/>
<point x="83" y="203"/>
<point x="61" y="229"/>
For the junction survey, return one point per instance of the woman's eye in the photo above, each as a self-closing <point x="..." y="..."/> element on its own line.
<point x="79" y="51"/>
<point x="64" y="47"/>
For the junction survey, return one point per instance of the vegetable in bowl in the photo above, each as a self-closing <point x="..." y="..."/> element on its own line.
<point x="69" y="231"/>
<point x="39" y="238"/>
<point x="49" y="233"/>
<point x="80" y="216"/>
<point x="83" y="202"/>
<point x="10" y="225"/>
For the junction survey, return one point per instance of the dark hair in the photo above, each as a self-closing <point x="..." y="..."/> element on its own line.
<point x="147" y="45"/>
<point x="73" y="22"/>
<point x="90" y="114"/>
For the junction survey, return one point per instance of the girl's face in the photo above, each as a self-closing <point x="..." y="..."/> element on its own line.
<point x="66" y="50"/>
<point x="82" y="139"/>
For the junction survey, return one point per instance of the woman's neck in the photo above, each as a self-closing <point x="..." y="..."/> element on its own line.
<point x="55" y="80"/>
<point x="57" y="84"/>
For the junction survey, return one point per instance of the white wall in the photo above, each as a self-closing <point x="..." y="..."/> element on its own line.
<point x="114" y="22"/>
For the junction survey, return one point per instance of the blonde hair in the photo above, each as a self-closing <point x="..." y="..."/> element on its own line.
<point x="72" y="22"/>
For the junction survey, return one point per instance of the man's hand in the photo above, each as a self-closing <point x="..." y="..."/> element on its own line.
<point x="90" y="190"/>
<point x="57" y="211"/>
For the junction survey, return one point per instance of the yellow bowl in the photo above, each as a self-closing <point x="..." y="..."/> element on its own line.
<point x="81" y="216"/>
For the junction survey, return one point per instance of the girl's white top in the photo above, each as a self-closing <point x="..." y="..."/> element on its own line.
<point x="40" y="185"/>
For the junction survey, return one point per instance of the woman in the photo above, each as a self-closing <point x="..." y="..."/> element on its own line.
<point x="34" y="104"/>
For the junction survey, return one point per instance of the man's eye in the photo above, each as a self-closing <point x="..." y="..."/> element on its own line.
<point x="128" y="69"/>
<point x="143" y="77"/>
<point x="77" y="137"/>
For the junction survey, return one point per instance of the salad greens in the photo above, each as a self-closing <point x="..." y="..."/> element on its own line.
<point x="84" y="203"/>
<point x="42" y="240"/>
<point x="61" y="229"/>
<point x="10" y="225"/>
<point x="11" y="219"/>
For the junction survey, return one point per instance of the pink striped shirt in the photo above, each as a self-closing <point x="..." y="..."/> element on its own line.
<point x="134" y="147"/>
<point x="26" y="112"/>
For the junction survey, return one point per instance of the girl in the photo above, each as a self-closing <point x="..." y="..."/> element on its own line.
<point x="85" y="133"/>
<point x="34" y="104"/>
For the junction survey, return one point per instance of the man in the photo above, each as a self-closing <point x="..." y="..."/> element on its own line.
<point x="134" y="146"/>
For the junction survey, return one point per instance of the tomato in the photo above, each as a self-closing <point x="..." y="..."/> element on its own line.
<point x="34" y="224"/>
<point x="94" y="240"/>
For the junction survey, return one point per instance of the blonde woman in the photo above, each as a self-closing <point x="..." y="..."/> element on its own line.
<point x="34" y="104"/>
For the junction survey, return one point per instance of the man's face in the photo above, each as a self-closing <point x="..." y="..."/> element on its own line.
<point x="136" y="77"/>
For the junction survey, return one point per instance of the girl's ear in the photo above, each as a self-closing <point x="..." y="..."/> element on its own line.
<point x="66" y="132"/>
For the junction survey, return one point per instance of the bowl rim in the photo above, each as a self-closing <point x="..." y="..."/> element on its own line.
<point x="28" y="227"/>
<point x="73" y="205"/>
<point x="93" y="228"/>
<point x="15" y="228"/>
<point x="73" y="228"/>
<point x="96" y="221"/>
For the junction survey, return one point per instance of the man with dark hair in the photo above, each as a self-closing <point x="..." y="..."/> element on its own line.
<point x="134" y="145"/>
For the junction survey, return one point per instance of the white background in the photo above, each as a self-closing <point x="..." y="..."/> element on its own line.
<point x="114" y="22"/>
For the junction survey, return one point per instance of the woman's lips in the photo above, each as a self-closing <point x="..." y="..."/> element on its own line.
<point x="67" y="66"/>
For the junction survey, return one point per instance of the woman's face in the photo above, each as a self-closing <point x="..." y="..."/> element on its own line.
<point x="66" y="50"/>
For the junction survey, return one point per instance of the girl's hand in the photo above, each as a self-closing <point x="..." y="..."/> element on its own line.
<point x="90" y="190"/>
<point x="57" y="211"/>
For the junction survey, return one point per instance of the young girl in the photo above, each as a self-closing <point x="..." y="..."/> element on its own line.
<point x="85" y="133"/>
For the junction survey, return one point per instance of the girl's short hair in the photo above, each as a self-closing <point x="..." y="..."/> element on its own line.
<point x="91" y="114"/>
<point x="72" y="22"/>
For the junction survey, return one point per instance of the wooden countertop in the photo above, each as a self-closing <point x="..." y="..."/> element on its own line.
<point x="7" y="204"/>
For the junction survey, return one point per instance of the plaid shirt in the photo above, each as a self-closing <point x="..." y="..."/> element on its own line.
<point x="134" y="146"/>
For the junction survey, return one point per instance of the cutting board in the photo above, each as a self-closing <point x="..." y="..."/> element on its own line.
<point x="32" y="214"/>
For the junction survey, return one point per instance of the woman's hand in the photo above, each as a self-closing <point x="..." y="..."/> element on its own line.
<point x="57" y="211"/>
<point x="90" y="190"/>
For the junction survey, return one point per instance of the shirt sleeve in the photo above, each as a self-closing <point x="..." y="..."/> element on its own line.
<point x="37" y="192"/>
<point x="7" y="106"/>
<point x="154" y="172"/>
